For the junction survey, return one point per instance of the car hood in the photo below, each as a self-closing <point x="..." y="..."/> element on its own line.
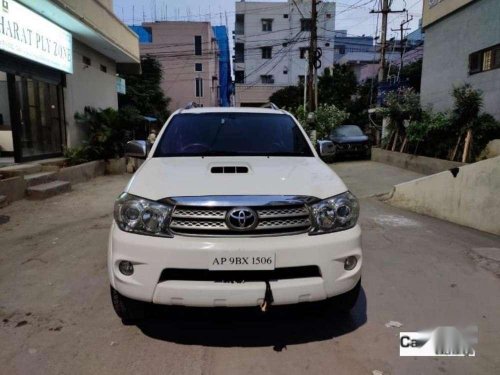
<point x="160" y="178"/>
<point x="353" y="139"/>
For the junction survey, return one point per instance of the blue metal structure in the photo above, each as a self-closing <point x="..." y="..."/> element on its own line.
<point x="225" y="81"/>
<point x="145" y="34"/>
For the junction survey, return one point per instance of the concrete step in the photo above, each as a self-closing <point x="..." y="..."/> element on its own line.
<point x="20" y="170"/>
<point x="3" y="201"/>
<point x="48" y="189"/>
<point x="39" y="178"/>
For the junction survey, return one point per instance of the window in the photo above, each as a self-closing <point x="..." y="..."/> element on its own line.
<point x="239" y="27"/>
<point x="198" y="67"/>
<point x="484" y="60"/>
<point x="302" y="79"/>
<point x="104" y="68"/>
<point x="239" y="76"/>
<point x="197" y="45"/>
<point x="239" y="52"/>
<point x="305" y="24"/>
<point x="267" y="52"/>
<point x="488" y="60"/>
<point x="284" y="44"/>
<point x="267" y="24"/>
<point x="340" y="49"/>
<point x="86" y="60"/>
<point x="303" y="52"/>
<point x="328" y="15"/>
<point x="327" y="44"/>
<point x="199" y="87"/>
<point x="235" y="134"/>
<point x="266" y="79"/>
<point x="285" y="15"/>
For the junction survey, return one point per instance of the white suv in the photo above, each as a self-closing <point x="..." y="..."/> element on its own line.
<point x="233" y="207"/>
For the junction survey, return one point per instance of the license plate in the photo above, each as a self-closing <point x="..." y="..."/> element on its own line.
<point x="242" y="260"/>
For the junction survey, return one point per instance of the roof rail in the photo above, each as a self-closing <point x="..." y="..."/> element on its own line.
<point x="270" y="106"/>
<point x="191" y="105"/>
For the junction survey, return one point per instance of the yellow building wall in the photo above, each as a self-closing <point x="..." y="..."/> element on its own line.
<point x="436" y="9"/>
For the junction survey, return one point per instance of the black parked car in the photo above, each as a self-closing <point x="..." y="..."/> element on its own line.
<point x="350" y="140"/>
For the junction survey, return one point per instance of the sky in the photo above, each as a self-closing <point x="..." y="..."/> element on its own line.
<point x="352" y="15"/>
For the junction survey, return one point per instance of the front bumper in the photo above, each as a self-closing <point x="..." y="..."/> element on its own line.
<point x="151" y="255"/>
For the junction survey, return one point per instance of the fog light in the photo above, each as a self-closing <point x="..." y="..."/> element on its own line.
<point x="126" y="267"/>
<point x="350" y="263"/>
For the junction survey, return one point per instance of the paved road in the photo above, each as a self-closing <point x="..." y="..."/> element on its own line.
<point x="57" y="318"/>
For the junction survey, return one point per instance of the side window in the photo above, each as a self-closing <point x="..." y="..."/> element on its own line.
<point x="199" y="87"/>
<point x="267" y="52"/>
<point x="267" y="24"/>
<point x="197" y="45"/>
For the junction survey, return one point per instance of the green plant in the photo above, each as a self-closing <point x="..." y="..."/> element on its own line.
<point x="144" y="91"/>
<point x="327" y="118"/>
<point x="402" y="107"/>
<point x="76" y="155"/>
<point x="486" y="128"/>
<point x="430" y="135"/>
<point x="337" y="85"/>
<point x="290" y="96"/>
<point x="108" y="130"/>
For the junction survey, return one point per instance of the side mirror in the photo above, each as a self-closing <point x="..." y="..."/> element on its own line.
<point x="136" y="149"/>
<point x="325" y="148"/>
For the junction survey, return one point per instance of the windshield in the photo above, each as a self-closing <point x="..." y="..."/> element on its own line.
<point x="243" y="134"/>
<point x="347" y="131"/>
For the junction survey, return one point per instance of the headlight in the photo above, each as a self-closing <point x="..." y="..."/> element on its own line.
<point x="142" y="216"/>
<point x="334" y="214"/>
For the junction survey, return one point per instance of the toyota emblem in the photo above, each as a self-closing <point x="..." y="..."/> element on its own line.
<point x="241" y="218"/>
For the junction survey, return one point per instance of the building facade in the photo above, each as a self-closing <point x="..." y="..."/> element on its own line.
<point x="462" y="45"/>
<point x="345" y="44"/>
<point x="270" y="46"/>
<point x="56" y="58"/>
<point x="189" y="57"/>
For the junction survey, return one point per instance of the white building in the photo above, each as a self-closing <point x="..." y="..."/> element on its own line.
<point x="271" y="42"/>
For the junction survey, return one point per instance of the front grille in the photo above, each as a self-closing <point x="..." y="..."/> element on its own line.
<point x="191" y="220"/>
<point x="180" y="274"/>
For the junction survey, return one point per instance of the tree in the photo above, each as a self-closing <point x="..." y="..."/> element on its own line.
<point x="336" y="86"/>
<point x="144" y="92"/>
<point x="468" y="103"/>
<point x="328" y="117"/>
<point x="402" y="107"/>
<point x="412" y="75"/>
<point x="366" y="94"/>
<point x="290" y="96"/>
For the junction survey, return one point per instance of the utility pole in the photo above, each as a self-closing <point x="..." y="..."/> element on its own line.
<point x="386" y="10"/>
<point x="402" y="29"/>
<point x="313" y="46"/>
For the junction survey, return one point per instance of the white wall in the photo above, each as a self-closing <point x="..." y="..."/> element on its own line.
<point x="88" y="86"/>
<point x="471" y="198"/>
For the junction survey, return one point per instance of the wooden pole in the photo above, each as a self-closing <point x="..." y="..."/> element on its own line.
<point x="404" y="144"/>
<point x="454" y="153"/>
<point x="468" y="140"/>
<point x="395" y="140"/>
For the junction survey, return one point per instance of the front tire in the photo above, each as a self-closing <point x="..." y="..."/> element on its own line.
<point x="127" y="309"/>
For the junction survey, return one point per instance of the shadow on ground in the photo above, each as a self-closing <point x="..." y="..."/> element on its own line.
<point x="230" y="327"/>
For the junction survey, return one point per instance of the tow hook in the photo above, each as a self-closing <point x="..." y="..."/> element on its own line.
<point x="268" y="298"/>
